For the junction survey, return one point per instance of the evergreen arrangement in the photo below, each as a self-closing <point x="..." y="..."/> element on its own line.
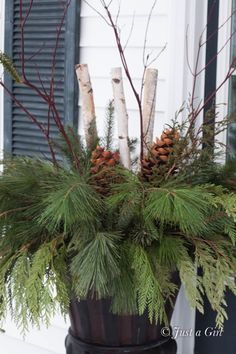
<point x="106" y="232"/>
<point x="85" y="225"/>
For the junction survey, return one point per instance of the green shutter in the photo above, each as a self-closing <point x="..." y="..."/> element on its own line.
<point x="21" y="136"/>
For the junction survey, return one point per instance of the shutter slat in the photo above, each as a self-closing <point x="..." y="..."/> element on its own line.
<point x="38" y="22"/>
<point x="36" y="143"/>
<point x="31" y="101"/>
<point x="31" y="50"/>
<point x="42" y="116"/>
<point x="34" y="79"/>
<point x="37" y="36"/>
<point x="28" y="134"/>
<point x="44" y="65"/>
<point x="21" y="91"/>
<point x="41" y="7"/>
<point x="32" y="153"/>
<point x="34" y="110"/>
<point x="30" y="128"/>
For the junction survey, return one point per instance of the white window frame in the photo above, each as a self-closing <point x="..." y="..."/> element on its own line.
<point x="223" y="60"/>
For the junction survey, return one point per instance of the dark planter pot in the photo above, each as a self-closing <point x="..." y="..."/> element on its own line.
<point x="95" y="330"/>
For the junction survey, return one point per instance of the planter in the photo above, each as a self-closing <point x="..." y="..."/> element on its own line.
<point x="94" y="329"/>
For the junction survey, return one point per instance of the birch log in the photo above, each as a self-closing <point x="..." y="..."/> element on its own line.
<point x="88" y="108"/>
<point x="122" y="116"/>
<point x="149" y="105"/>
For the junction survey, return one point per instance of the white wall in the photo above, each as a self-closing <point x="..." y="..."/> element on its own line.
<point x="168" y="25"/>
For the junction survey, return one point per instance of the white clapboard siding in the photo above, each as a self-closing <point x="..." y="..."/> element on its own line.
<point x="98" y="50"/>
<point x="12" y="345"/>
<point x="44" y="341"/>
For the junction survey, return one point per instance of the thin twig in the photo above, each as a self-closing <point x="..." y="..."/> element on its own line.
<point x="109" y="4"/>
<point x="187" y="52"/>
<point x="195" y="111"/>
<point x="220" y="27"/>
<point x="36" y="53"/>
<point x="130" y="33"/>
<point x="33" y="119"/>
<point x="146" y="31"/>
<point x="157" y="56"/>
<point x="118" y="13"/>
<point x="97" y="12"/>
<point x="216" y="55"/>
<point x="128" y="75"/>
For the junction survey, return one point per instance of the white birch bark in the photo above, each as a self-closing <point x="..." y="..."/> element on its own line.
<point x="149" y="105"/>
<point x="122" y="116"/>
<point x="88" y="107"/>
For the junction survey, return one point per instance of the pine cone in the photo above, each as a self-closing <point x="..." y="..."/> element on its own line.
<point x="157" y="162"/>
<point x="102" y="163"/>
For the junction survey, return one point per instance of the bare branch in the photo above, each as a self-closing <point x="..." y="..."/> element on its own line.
<point x="33" y="120"/>
<point x="220" y="27"/>
<point x="40" y="80"/>
<point x="109" y="4"/>
<point x="187" y="52"/>
<point x="216" y="55"/>
<point x="35" y="54"/>
<point x="130" y="33"/>
<point x="97" y="12"/>
<point x="27" y="12"/>
<point x="157" y="56"/>
<point x="230" y="72"/>
<point x="59" y="31"/>
<point x="146" y="31"/>
<point x="195" y="111"/>
<point x="118" y="13"/>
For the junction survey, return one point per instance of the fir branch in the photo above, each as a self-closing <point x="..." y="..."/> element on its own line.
<point x="126" y="200"/>
<point x="109" y="125"/>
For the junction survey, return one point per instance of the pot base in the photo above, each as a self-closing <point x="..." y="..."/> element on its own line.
<point x="76" y="346"/>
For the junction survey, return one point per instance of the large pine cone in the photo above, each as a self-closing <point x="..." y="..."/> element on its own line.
<point x="158" y="161"/>
<point x="103" y="162"/>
